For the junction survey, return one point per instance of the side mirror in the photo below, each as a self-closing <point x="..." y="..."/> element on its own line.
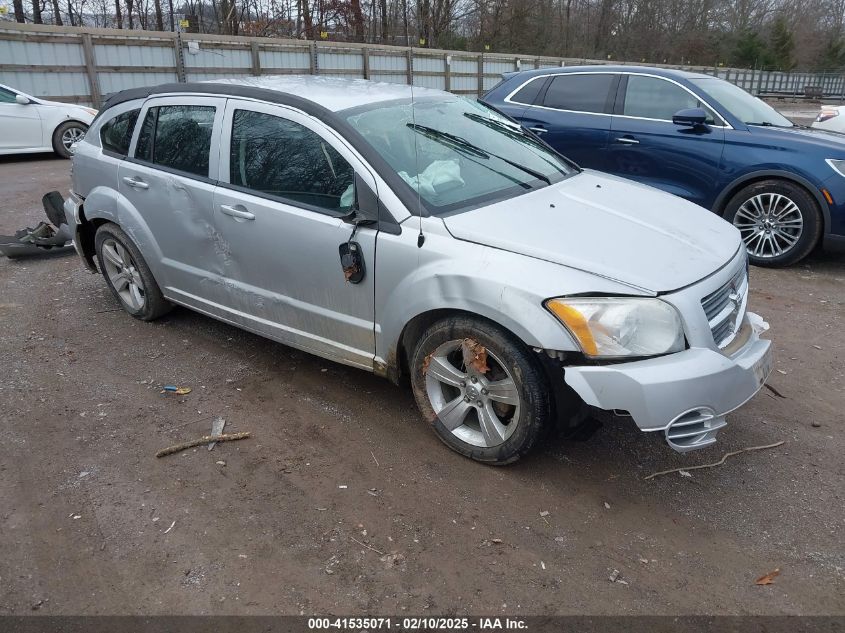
<point x="690" y="117"/>
<point x="22" y="100"/>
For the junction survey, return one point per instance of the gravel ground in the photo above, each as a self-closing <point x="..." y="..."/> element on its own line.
<point x="340" y="474"/>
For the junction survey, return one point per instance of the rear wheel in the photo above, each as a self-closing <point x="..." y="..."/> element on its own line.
<point x="128" y="275"/>
<point x="779" y="221"/>
<point x="482" y="391"/>
<point x="66" y="135"/>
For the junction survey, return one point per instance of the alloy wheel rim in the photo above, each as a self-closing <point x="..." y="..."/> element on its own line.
<point x="479" y="409"/>
<point x="71" y="136"/>
<point x="123" y="274"/>
<point x="770" y="224"/>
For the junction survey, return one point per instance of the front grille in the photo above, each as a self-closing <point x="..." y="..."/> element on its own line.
<point x="725" y="308"/>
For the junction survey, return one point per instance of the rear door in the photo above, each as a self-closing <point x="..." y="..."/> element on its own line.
<point x="167" y="182"/>
<point x="572" y="114"/>
<point x="286" y="187"/>
<point x="646" y="146"/>
<point x="20" y="125"/>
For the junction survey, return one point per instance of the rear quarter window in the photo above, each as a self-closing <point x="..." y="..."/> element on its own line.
<point x="527" y="95"/>
<point x="116" y="133"/>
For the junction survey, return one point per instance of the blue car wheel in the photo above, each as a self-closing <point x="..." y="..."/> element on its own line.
<point x="779" y="221"/>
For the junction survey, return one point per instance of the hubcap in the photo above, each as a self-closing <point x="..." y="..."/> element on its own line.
<point x="480" y="409"/>
<point x="770" y="224"/>
<point x="71" y="136"/>
<point x="123" y="274"/>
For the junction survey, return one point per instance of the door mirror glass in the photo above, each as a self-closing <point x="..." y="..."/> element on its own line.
<point x="690" y="117"/>
<point x="22" y="100"/>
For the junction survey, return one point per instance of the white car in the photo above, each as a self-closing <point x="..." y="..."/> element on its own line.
<point x="831" y="118"/>
<point x="29" y="124"/>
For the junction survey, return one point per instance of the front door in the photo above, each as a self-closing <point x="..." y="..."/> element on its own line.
<point x="646" y="146"/>
<point x="20" y="125"/>
<point x="573" y="115"/>
<point x="167" y="183"/>
<point x="282" y="210"/>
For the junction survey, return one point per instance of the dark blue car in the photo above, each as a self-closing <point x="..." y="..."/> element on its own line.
<point x="702" y="138"/>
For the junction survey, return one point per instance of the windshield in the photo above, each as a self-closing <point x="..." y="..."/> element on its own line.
<point x="457" y="153"/>
<point x="750" y="110"/>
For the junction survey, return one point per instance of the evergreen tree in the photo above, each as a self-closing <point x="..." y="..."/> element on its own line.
<point x="750" y="50"/>
<point x="782" y="45"/>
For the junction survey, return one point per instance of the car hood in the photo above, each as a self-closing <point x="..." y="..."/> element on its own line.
<point x="607" y="226"/>
<point x="802" y="137"/>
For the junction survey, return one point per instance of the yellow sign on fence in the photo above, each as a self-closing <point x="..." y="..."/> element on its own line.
<point x="184" y="24"/>
<point x="4" y="9"/>
<point x="324" y="35"/>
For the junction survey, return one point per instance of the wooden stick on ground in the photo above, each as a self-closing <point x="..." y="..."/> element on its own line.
<point x="205" y="439"/>
<point x="719" y="463"/>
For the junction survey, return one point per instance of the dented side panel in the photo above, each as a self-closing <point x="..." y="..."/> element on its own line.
<point x="504" y="287"/>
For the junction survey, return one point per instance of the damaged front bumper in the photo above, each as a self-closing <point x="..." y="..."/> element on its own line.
<point x="685" y="395"/>
<point x="44" y="238"/>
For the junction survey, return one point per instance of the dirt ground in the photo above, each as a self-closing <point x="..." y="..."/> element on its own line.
<point x="340" y="471"/>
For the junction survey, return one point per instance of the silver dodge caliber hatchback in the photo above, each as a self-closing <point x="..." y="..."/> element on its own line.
<point x="422" y="235"/>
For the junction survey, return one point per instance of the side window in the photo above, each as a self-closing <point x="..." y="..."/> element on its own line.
<point x="281" y="158"/>
<point x="116" y="134"/>
<point x="654" y="98"/>
<point x="581" y="93"/>
<point x="178" y="137"/>
<point x="7" y="96"/>
<point x="528" y="93"/>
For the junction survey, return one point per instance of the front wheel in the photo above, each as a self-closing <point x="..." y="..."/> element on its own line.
<point x="779" y="222"/>
<point x="66" y="135"/>
<point x="482" y="391"/>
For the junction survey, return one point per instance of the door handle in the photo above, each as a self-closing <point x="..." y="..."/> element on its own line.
<point x="538" y="129"/>
<point x="628" y="140"/>
<point x="235" y="212"/>
<point x="135" y="183"/>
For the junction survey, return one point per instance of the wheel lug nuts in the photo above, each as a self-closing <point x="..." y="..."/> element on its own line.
<point x="483" y="392"/>
<point x="478" y="403"/>
<point x="463" y="383"/>
<point x="474" y="379"/>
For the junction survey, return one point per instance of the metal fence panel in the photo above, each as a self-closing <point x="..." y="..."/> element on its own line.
<point x="41" y="53"/>
<point x="66" y="86"/>
<point x="284" y="59"/>
<point x="115" y="82"/>
<point x="81" y="64"/>
<point x="128" y="55"/>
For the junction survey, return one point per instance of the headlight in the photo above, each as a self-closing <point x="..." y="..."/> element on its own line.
<point x="837" y="165"/>
<point x="620" y="326"/>
<point x="826" y="115"/>
<point x="91" y="111"/>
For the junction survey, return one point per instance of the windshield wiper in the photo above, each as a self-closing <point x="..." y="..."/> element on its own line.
<point x="465" y="145"/>
<point x="515" y="132"/>
<point x="768" y="124"/>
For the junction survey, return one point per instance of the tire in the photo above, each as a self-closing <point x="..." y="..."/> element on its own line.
<point x="128" y="275"/>
<point x="65" y="135"/>
<point x="780" y="222"/>
<point x="455" y="411"/>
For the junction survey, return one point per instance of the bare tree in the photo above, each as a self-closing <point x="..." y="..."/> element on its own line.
<point x="20" y="16"/>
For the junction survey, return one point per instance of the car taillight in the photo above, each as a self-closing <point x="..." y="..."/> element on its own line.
<point x="826" y="115"/>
